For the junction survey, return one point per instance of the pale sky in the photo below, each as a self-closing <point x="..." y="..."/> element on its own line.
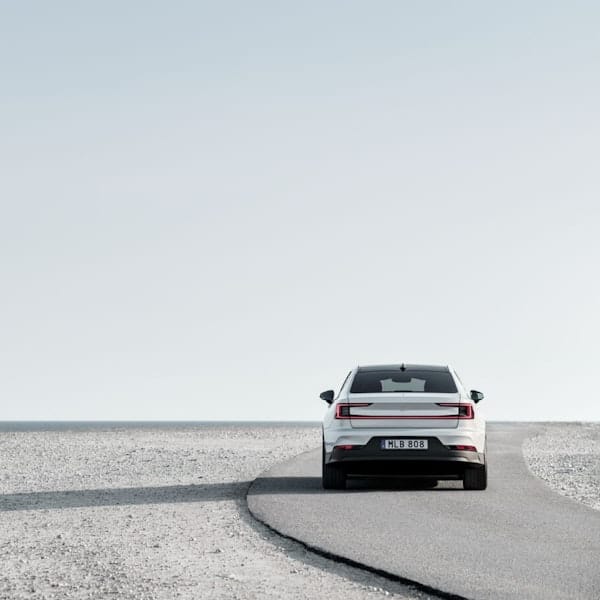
<point x="215" y="210"/>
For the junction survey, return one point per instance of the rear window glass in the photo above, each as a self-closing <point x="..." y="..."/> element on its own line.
<point x="374" y="382"/>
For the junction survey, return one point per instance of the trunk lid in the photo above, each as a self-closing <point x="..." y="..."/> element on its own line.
<point x="399" y="410"/>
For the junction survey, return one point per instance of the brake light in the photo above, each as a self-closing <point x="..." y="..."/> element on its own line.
<point x="465" y="411"/>
<point x="342" y="411"/>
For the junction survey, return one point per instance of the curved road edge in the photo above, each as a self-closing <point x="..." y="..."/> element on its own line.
<point x="338" y="557"/>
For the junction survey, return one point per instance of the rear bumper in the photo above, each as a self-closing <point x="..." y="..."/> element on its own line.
<point x="437" y="461"/>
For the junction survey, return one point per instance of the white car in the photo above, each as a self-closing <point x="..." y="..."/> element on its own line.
<point x="407" y="421"/>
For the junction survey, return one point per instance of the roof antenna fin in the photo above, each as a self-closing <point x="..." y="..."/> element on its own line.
<point x="402" y="367"/>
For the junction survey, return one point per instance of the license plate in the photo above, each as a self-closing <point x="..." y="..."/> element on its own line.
<point x="404" y="444"/>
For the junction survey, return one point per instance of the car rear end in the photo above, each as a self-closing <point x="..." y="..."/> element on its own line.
<point x="404" y="421"/>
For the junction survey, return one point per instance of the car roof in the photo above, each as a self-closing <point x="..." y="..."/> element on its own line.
<point x="398" y="366"/>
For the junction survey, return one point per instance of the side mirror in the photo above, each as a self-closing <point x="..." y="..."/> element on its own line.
<point x="476" y="396"/>
<point x="327" y="396"/>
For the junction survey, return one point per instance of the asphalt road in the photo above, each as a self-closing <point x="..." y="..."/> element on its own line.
<point x="517" y="539"/>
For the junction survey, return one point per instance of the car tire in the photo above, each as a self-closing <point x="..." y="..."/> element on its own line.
<point x="475" y="479"/>
<point x="427" y="484"/>
<point x="333" y="478"/>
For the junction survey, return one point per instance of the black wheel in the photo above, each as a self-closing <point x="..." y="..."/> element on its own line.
<point x="333" y="477"/>
<point x="475" y="479"/>
<point x="427" y="484"/>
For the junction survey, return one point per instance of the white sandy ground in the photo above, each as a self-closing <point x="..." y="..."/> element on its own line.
<point x="160" y="513"/>
<point x="156" y="513"/>
<point x="567" y="457"/>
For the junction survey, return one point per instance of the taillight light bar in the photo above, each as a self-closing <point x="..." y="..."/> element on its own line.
<point x="342" y="411"/>
<point x="465" y="411"/>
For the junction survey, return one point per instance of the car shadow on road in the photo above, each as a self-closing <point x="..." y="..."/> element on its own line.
<point x="203" y="492"/>
<point x="312" y="485"/>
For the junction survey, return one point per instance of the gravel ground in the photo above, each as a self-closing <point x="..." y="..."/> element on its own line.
<point x="134" y="513"/>
<point x="567" y="457"/>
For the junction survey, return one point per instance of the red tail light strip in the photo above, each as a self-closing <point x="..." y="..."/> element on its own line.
<point x="342" y="411"/>
<point x="465" y="411"/>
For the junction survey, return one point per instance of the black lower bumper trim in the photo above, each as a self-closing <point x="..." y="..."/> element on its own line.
<point x="437" y="461"/>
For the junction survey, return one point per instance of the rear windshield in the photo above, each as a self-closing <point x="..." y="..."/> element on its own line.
<point x="374" y="382"/>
